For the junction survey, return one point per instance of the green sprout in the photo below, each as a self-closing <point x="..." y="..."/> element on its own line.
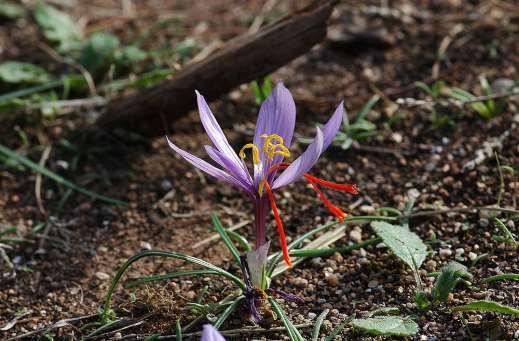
<point x="486" y="109"/>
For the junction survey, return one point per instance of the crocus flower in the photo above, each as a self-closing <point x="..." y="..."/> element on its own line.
<point x="270" y="148"/>
<point x="211" y="334"/>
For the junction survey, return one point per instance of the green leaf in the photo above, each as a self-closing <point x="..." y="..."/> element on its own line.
<point x="387" y="325"/>
<point x="129" y="55"/>
<point x="166" y="254"/>
<point x="169" y="275"/>
<point x="292" y="331"/>
<point x="11" y="11"/>
<point x="99" y="51"/>
<point x="58" y="27"/>
<point x="421" y="300"/>
<point x="318" y="324"/>
<point x="178" y="331"/>
<point x="447" y="280"/>
<point x="367" y="107"/>
<point x="502" y="277"/>
<point x="488" y="306"/>
<point x="405" y="244"/>
<point x="227" y="312"/>
<point x="225" y="237"/>
<point x="17" y="72"/>
<point x="508" y="237"/>
<point x="55" y="177"/>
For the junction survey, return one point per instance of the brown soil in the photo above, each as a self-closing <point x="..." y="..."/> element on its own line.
<point x="68" y="273"/>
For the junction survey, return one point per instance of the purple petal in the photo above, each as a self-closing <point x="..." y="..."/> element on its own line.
<point x="305" y="161"/>
<point x="211" y="334"/>
<point x="302" y="164"/>
<point x="214" y="131"/>
<point x="206" y="167"/>
<point x="277" y="116"/>
<point x="331" y="127"/>
<point x="237" y="172"/>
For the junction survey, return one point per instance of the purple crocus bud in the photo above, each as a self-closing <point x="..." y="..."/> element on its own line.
<point x="211" y="334"/>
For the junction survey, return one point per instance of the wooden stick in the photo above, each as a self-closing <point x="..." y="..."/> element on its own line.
<point x="241" y="60"/>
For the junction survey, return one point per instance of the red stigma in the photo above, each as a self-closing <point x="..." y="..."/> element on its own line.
<point x="315" y="181"/>
<point x="279" y="223"/>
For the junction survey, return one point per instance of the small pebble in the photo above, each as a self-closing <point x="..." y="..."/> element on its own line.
<point x="166" y="185"/>
<point x="311" y="315"/>
<point x="445" y="252"/>
<point x="472" y="256"/>
<point x="367" y="209"/>
<point x="145" y="245"/>
<point x="460" y="251"/>
<point x="102" y="276"/>
<point x="299" y="282"/>
<point x="333" y="280"/>
<point x="355" y="236"/>
<point x="373" y="284"/>
<point x="483" y="222"/>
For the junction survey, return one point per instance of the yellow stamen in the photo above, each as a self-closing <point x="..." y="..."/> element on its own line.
<point x="255" y="153"/>
<point x="270" y="149"/>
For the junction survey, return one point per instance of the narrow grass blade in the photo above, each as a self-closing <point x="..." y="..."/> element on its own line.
<point x="276" y="258"/>
<point x="367" y="107"/>
<point x="502" y="277"/>
<point x="57" y="178"/>
<point x="239" y="239"/>
<point x="29" y="91"/>
<point x="488" y="306"/>
<point x="328" y="251"/>
<point x="225" y="237"/>
<point x="168" y="275"/>
<point x="178" y="331"/>
<point x="168" y="254"/>
<point x="293" y="333"/>
<point x="337" y="330"/>
<point x="227" y="312"/>
<point x="318" y="324"/>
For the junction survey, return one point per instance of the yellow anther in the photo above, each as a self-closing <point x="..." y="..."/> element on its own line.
<point x="261" y="187"/>
<point x="255" y="153"/>
<point x="270" y="149"/>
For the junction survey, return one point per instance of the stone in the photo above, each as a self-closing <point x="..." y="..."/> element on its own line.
<point x="445" y="252"/>
<point x="355" y="236"/>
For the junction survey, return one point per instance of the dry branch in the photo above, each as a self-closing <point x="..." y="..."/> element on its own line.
<point x="241" y="60"/>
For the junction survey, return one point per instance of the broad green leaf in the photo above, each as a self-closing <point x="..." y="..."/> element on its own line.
<point x="405" y="244"/>
<point x="447" y="280"/>
<point x="129" y="55"/>
<point x="99" y="51"/>
<point x="58" y="27"/>
<point x="18" y="72"/>
<point x="11" y="11"/>
<point x="488" y="306"/>
<point x="387" y="325"/>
